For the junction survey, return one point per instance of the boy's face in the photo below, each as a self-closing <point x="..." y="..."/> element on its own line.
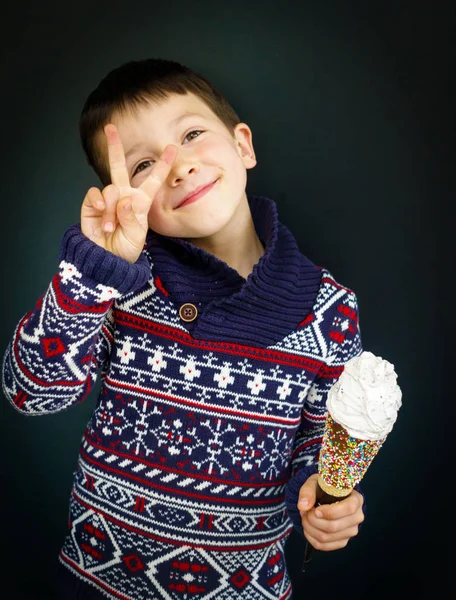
<point x="207" y="153"/>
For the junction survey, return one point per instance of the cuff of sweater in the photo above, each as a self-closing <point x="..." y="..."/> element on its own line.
<point x="103" y="266"/>
<point x="292" y="495"/>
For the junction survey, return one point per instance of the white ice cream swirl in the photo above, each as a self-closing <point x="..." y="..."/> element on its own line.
<point x="365" y="399"/>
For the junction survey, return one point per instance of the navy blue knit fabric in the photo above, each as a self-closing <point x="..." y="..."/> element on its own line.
<point x="203" y="432"/>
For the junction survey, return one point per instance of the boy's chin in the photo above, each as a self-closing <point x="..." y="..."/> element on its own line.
<point x="206" y="227"/>
<point x="195" y="234"/>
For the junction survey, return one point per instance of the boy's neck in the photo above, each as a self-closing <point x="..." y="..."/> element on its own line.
<point x="238" y="245"/>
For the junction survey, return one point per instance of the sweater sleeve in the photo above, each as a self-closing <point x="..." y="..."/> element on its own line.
<point x="51" y="363"/>
<point x="345" y="343"/>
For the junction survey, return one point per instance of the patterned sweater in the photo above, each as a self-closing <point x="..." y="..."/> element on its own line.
<point x="210" y="413"/>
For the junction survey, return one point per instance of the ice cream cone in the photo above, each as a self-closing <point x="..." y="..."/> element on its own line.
<point x="362" y="409"/>
<point x="343" y="459"/>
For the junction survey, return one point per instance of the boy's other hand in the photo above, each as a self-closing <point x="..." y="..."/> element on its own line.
<point x="116" y="218"/>
<point x="329" y="526"/>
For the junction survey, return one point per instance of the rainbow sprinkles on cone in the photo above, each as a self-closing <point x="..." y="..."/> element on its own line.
<point x="362" y="409"/>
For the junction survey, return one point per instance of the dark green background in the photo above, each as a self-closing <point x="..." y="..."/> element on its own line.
<point x="352" y="111"/>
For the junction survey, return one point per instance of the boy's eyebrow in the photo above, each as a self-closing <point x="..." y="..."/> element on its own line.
<point x="174" y="122"/>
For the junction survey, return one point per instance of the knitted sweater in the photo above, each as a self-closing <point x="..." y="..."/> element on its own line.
<point x="202" y="428"/>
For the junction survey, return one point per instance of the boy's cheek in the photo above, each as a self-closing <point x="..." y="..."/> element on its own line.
<point x="155" y="218"/>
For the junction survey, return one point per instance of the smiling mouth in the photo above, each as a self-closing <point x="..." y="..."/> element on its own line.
<point x="198" y="195"/>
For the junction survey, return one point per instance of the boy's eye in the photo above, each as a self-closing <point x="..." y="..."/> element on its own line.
<point x="139" y="167"/>
<point x="194" y="131"/>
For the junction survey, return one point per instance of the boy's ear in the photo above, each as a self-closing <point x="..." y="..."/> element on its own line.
<point x="244" y="144"/>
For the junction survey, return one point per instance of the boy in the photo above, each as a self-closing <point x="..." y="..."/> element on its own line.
<point x="217" y="342"/>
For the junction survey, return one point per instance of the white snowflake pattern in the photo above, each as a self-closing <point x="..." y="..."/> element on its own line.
<point x="224" y="377"/>
<point x="284" y="390"/>
<point x="189" y="370"/>
<point x="314" y="395"/>
<point x="68" y="272"/>
<point x="279" y="454"/>
<point x="214" y="447"/>
<point x="125" y="352"/>
<point x="256" y="385"/>
<point x="106" y="293"/>
<point x="176" y="438"/>
<point x="157" y="361"/>
<point x="247" y="452"/>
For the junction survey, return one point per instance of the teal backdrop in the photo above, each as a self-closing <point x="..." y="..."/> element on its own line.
<point x="351" y="106"/>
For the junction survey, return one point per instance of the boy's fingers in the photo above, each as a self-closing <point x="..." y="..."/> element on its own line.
<point x="320" y="543"/>
<point x="345" y="507"/>
<point x="131" y="229"/>
<point x="111" y="197"/>
<point x="125" y="215"/>
<point x="160" y="171"/>
<point x="330" y="529"/>
<point x="330" y="526"/>
<point x="92" y="200"/>
<point x="116" y="156"/>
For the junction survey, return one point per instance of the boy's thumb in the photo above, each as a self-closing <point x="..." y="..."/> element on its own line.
<point x="307" y="494"/>
<point x="126" y="215"/>
<point x="125" y="211"/>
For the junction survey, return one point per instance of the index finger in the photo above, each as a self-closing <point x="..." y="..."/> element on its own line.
<point x="116" y="157"/>
<point x="160" y="171"/>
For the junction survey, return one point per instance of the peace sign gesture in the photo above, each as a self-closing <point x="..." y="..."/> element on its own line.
<point x="116" y="218"/>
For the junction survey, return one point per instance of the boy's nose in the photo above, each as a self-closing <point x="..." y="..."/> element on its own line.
<point x="181" y="169"/>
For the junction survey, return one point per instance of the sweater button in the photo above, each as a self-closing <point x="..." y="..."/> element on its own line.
<point x="188" y="312"/>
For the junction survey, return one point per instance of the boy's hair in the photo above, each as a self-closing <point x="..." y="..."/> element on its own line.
<point x="135" y="84"/>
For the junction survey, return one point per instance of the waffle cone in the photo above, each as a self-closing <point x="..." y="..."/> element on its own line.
<point x="343" y="459"/>
<point x="331" y="490"/>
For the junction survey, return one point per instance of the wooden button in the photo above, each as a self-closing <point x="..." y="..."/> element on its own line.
<point x="188" y="312"/>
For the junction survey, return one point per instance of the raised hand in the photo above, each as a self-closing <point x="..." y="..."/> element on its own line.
<point x="116" y="218"/>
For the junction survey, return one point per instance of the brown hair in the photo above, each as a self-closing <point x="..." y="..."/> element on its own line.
<point x="135" y="84"/>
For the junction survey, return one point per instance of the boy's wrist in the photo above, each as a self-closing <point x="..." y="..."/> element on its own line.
<point x="100" y="265"/>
